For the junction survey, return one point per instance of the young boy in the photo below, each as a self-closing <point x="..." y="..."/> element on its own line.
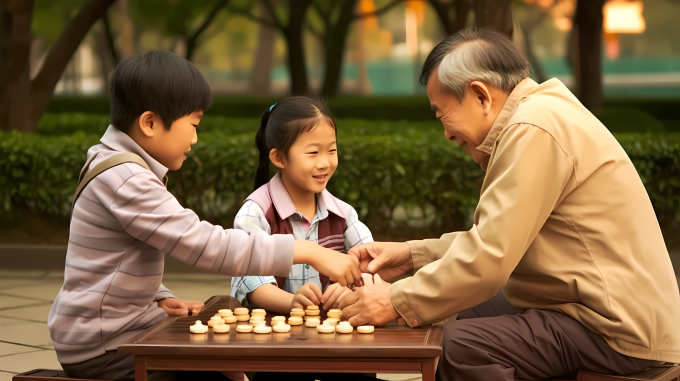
<point x="125" y="221"/>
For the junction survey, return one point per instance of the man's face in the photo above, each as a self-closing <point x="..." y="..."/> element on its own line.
<point x="312" y="159"/>
<point x="465" y="123"/>
<point x="170" y="146"/>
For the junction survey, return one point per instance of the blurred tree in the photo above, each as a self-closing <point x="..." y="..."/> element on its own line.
<point x="23" y="99"/>
<point x="453" y="14"/>
<point x="494" y="13"/>
<point x="586" y="52"/>
<point x="260" y="76"/>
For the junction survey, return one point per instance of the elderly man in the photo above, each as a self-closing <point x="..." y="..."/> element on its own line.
<point x="564" y="229"/>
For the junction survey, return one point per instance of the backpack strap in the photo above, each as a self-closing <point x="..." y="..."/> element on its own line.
<point x="104" y="165"/>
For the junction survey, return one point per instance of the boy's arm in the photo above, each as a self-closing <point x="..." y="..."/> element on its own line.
<point x="271" y="298"/>
<point x="357" y="232"/>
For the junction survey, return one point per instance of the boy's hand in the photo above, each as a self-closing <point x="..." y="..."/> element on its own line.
<point x="175" y="307"/>
<point x="340" y="268"/>
<point x="307" y="295"/>
<point x="331" y="298"/>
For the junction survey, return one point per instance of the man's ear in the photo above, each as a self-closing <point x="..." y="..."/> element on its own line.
<point x="147" y="123"/>
<point x="276" y="158"/>
<point x="482" y="95"/>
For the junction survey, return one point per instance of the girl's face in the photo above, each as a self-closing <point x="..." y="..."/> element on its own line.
<point x="312" y="159"/>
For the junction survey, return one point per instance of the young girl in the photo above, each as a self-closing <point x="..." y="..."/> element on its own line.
<point x="298" y="135"/>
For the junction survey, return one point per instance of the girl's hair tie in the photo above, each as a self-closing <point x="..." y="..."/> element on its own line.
<point x="272" y="106"/>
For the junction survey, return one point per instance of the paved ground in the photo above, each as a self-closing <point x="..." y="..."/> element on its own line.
<point x="25" y="301"/>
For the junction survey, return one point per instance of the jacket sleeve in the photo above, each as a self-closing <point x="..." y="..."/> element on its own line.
<point x="149" y="213"/>
<point x="163" y="293"/>
<point x="522" y="187"/>
<point x="429" y="250"/>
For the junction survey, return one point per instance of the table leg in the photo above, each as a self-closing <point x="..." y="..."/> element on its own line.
<point x="140" y="368"/>
<point x="429" y="369"/>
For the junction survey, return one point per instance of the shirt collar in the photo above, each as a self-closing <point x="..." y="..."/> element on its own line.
<point x="284" y="204"/>
<point x="119" y="141"/>
<point x="513" y="100"/>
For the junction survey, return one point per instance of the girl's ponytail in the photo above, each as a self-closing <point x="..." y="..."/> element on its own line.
<point x="262" y="172"/>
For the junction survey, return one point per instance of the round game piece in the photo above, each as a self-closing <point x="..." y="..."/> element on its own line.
<point x="222" y="328"/>
<point x="258" y="312"/>
<point x="335" y="311"/>
<point x="365" y="329"/>
<point x="240" y="311"/>
<point x="244" y="328"/>
<point x="225" y="312"/>
<point x="296" y="309"/>
<point x="215" y="320"/>
<point x="198" y="327"/>
<point x="312" y="323"/>
<point x="245" y="317"/>
<point x="334" y="314"/>
<point x="344" y="327"/>
<point x="277" y="319"/>
<point x="312" y="312"/>
<point x="230" y="319"/>
<point x="313" y="307"/>
<point x="297" y="313"/>
<point x="262" y="329"/>
<point x="295" y="320"/>
<point x="281" y="328"/>
<point x="332" y="321"/>
<point x="325" y="328"/>
<point x="256" y="323"/>
<point x="257" y="317"/>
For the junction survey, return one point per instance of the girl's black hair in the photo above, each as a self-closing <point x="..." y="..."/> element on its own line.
<point x="281" y="125"/>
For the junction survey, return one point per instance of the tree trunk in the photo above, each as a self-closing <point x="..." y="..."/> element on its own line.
<point x="126" y="37"/>
<point x="452" y="23"/>
<point x="106" y="60"/>
<point x="259" y="82"/>
<point x="296" y="52"/>
<point x="589" y="21"/>
<point x="496" y="14"/>
<point x="336" y="36"/>
<point x="15" y="53"/>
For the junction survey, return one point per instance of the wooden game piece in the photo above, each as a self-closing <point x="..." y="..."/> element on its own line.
<point x="295" y="320"/>
<point x="335" y="311"/>
<point x="277" y="319"/>
<point x="222" y="328"/>
<point x="256" y="317"/>
<point x="365" y="329"/>
<point x="344" y="327"/>
<point x="297" y="309"/>
<point x="245" y="317"/>
<point x="225" y="312"/>
<point x="297" y="313"/>
<point x="244" y="328"/>
<point x="313" y="307"/>
<point x="312" y="312"/>
<point x="332" y="321"/>
<point x="241" y="311"/>
<point x="325" y="328"/>
<point x="198" y="327"/>
<point x="258" y="312"/>
<point x="257" y="323"/>
<point x="215" y="320"/>
<point x="312" y="322"/>
<point x="262" y="329"/>
<point x="230" y="319"/>
<point x="281" y="328"/>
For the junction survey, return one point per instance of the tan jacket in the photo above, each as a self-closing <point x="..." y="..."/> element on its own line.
<point x="564" y="224"/>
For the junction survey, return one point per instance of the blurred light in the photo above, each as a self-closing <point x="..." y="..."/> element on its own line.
<point x="418" y="8"/>
<point x="563" y="23"/>
<point x="411" y="32"/>
<point x="368" y="6"/>
<point x="623" y="17"/>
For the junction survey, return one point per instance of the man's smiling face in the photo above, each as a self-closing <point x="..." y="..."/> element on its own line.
<point x="464" y="122"/>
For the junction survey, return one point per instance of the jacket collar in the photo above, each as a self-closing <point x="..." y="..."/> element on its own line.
<point x="284" y="204"/>
<point x="508" y="109"/>
<point x="118" y="140"/>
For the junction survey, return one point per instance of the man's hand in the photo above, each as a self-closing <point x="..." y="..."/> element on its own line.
<point x="370" y="304"/>
<point x="175" y="307"/>
<point x="340" y="268"/>
<point x="331" y="298"/>
<point x="307" y="295"/>
<point x="389" y="259"/>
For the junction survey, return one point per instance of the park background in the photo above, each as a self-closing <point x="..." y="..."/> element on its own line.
<point x="620" y="57"/>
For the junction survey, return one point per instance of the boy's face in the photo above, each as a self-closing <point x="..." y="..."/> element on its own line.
<point x="168" y="147"/>
<point x="312" y="159"/>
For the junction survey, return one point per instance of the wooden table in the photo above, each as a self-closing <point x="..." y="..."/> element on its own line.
<point x="394" y="348"/>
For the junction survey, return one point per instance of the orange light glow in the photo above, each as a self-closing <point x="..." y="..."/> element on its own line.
<point x="623" y="17"/>
<point x="418" y="8"/>
<point x="368" y="6"/>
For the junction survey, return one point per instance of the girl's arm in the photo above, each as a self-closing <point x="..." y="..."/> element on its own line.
<point x="271" y="298"/>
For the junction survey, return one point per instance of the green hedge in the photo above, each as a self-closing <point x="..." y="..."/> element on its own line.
<point x="415" y="173"/>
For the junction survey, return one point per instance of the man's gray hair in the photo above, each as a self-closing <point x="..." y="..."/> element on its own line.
<point x="476" y="54"/>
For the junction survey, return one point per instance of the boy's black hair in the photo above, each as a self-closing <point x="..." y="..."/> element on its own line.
<point x="281" y="125"/>
<point x="157" y="81"/>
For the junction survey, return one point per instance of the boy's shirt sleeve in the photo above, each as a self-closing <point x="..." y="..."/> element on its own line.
<point x="357" y="232"/>
<point x="150" y="213"/>
<point x="250" y="218"/>
<point x="163" y="293"/>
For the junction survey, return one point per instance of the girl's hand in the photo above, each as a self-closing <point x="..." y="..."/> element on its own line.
<point x="334" y="293"/>
<point x="340" y="268"/>
<point x="175" y="307"/>
<point x="307" y="295"/>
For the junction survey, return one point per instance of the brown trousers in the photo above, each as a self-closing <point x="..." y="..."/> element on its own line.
<point x="497" y="341"/>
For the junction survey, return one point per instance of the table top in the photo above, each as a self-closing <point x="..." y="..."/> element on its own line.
<point x="171" y="337"/>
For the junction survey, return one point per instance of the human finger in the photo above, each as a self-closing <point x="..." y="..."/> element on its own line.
<point x="329" y="291"/>
<point x="349" y="300"/>
<point x="337" y="302"/>
<point x="356" y="273"/>
<point x="367" y="278"/>
<point x="308" y="295"/>
<point x="377" y="280"/>
<point x="316" y="290"/>
<point x="378" y="262"/>
<point x="333" y="297"/>
<point x="359" y="319"/>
